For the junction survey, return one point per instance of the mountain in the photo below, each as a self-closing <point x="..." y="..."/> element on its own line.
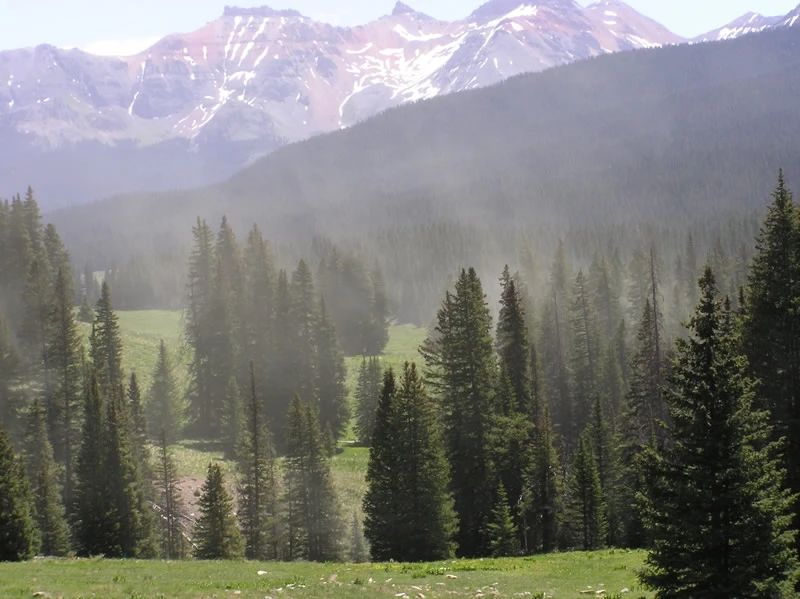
<point x="751" y="22"/>
<point x="197" y="107"/>
<point x="681" y="132"/>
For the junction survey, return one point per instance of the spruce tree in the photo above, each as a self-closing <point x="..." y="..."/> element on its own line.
<point x="544" y="487"/>
<point x="216" y="535"/>
<point x="314" y="521"/>
<point x="90" y="508"/>
<point x="165" y="408"/>
<point x="462" y="371"/>
<point x="138" y="426"/>
<point x="169" y="503"/>
<point x="772" y="324"/>
<point x="11" y="374"/>
<point x="584" y="354"/>
<point x="258" y="503"/>
<point x="718" y="514"/>
<point x="128" y="514"/>
<point x="19" y="536"/>
<point x="512" y="343"/>
<point x="233" y="421"/>
<point x="367" y="393"/>
<point x="42" y="472"/>
<point x="501" y="529"/>
<point x="334" y="412"/>
<point x="106" y="345"/>
<point x="408" y="508"/>
<point x="586" y="510"/>
<point x="64" y="406"/>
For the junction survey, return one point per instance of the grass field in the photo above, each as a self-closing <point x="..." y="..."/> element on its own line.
<point x="567" y="575"/>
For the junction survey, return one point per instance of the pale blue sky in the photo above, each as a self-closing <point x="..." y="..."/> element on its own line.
<point x="107" y="26"/>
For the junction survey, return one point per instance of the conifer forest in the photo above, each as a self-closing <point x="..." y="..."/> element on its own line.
<point x="583" y="381"/>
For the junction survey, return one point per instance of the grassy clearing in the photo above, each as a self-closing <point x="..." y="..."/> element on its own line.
<point x="556" y="576"/>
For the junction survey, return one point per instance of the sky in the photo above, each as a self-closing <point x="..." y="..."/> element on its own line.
<point x="128" y="26"/>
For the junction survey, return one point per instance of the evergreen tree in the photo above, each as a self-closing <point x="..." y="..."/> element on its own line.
<point x="165" y="408"/>
<point x="378" y="332"/>
<point x="409" y="511"/>
<point x="462" y="371"/>
<point x="170" y="504"/>
<point x="233" y="422"/>
<point x="719" y="517"/>
<point x="128" y="518"/>
<point x="106" y="345"/>
<point x="334" y="411"/>
<point x="19" y="536"/>
<point x="258" y="503"/>
<point x="772" y="324"/>
<point x="313" y="510"/>
<point x="501" y="529"/>
<point x="11" y="373"/>
<point x="90" y="508"/>
<point x="64" y="406"/>
<point x="303" y="320"/>
<point x="512" y="343"/>
<point x="367" y="394"/>
<point x="216" y="535"/>
<point x="586" y="510"/>
<point x="584" y="355"/>
<point x="137" y="420"/>
<point x="48" y="508"/>
<point x="544" y="487"/>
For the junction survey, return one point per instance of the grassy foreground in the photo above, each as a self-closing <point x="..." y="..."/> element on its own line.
<point x="567" y="575"/>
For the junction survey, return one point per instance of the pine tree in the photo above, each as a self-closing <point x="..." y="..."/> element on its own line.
<point x="170" y="504"/>
<point x="128" y="516"/>
<point x="106" y="345"/>
<point x="586" y="510"/>
<point x="89" y="509"/>
<point x="11" y="373"/>
<point x="313" y="511"/>
<point x="462" y="370"/>
<point x="501" y="529"/>
<point x="512" y="343"/>
<point x="378" y="334"/>
<point x="42" y="472"/>
<point x="233" y="421"/>
<point x="408" y="508"/>
<point x="216" y="535"/>
<point x="19" y="536"/>
<point x="165" y="408"/>
<point x="717" y="511"/>
<point x="331" y="373"/>
<point x="772" y="324"/>
<point x="367" y="393"/>
<point x="137" y="420"/>
<point x="258" y="503"/>
<point x="544" y="487"/>
<point x="64" y="406"/>
<point x="584" y="354"/>
<point x="303" y="320"/>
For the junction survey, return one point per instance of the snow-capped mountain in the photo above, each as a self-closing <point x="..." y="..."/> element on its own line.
<point x="268" y="77"/>
<point x="751" y="22"/>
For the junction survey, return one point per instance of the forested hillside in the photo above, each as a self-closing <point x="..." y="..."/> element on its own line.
<point x="617" y="152"/>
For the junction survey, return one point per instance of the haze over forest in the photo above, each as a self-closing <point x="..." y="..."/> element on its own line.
<point x="415" y="292"/>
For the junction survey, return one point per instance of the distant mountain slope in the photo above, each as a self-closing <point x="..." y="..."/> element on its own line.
<point x="676" y="132"/>
<point x="199" y="106"/>
<point x="751" y="22"/>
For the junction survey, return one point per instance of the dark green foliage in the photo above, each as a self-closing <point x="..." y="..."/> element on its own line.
<point x="512" y="344"/>
<point x="165" y="408"/>
<point x="772" y="323"/>
<point x="367" y="393"/>
<point x="216" y="535"/>
<point x="43" y="474"/>
<point x="106" y="345"/>
<point x="19" y="536"/>
<point x="169" y="505"/>
<point x="334" y="412"/>
<point x="501" y="529"/>
<point x="258" y="499"/>
<point x="312" y="508"/>
<point x="544" y="488"/>
<point x="584" y="354"/>
<point x="462" y="372"/>
<point x="233" y="421"/>
<point x="64" y="405"/>
<point x="10" y="379"/>
<point x="408" y="508"/>
<point x="138" y="426"/>
<point x="717" y="511"/>
<point x="585" y="516"/>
